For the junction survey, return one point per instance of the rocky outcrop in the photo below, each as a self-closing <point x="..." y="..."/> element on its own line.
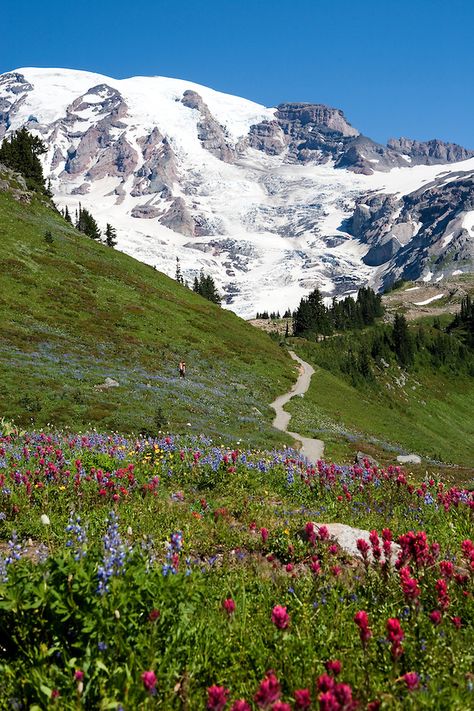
<point x="178" y="218"/>
<point x="98" y="152"/>
<point x="293" y="115"/>
<point x="420" y="232"/>
<point x="158" y="172"/>
<point x="212" y="135"/>
<point x="267" y="136"/>
<point x="430" y="152"/>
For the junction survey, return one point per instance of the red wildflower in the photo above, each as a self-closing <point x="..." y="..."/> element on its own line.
<point x="281" y="706"/>
<point x="229" y="605"/>
<point x="328" y="702"/>
<point x="149" y="680"/>
<point x="412" y="680"/>
<point x="456" y="622"/>
<point x="240" y="705"/>
<point x="325" y="682"/>
<point x="343" y="694"/>
<point x="264" y="534"/>
<point x="217" y="698"/>
<point x="446" y="568"/>
<point x="333" y="666"/>
<point x="280" y="617"/>
<point x="362" y="621"/>
<point x="302" y="699"/>
<point x="435" y="617"/>
<point x="409" y="585"/>
<point x="323" y="533"/>
<point x="268" y="692"/>
<point x="154" y="615"/>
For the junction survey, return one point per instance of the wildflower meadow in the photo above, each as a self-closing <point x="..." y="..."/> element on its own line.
<point x="174" y="573"/>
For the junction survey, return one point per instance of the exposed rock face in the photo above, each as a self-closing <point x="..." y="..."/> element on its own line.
<point x="420" y="232"/>
<point x="211" y="134"/>
<point x="314" y="116"/>
<point x="430" y="152"/>
<point x="98" y="151"/>
<point x="178" y="218"/>
<point x="158" y="172"/>
<point x="268" y="137"/>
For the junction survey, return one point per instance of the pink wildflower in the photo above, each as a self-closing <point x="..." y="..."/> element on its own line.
<point x="217" y="698"/>
<point x="268" y="692"/>
<point x="333" y="666"/>
<point x="323" y="533"/>
<point x="229" y="605"/>
<point x="412" y="680"/>
<point x="149" y="680"/>
<point x="240" y="705"/>
<point x="264" y="534"/>
<point x="409" y="585"/>
<point x="435" y="617"/>
<point x="280" y="617"/>
<point x="362" y="621"/>
<point x="325" y="682"/>
<point x="328" y="702"/>
<point x="302" y="699"/>
<point x="281" y="706"/>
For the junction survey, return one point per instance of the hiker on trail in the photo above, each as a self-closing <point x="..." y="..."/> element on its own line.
<point x="182" y="369"/>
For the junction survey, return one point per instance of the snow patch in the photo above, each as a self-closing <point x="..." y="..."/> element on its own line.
<point x="428" y="301"/>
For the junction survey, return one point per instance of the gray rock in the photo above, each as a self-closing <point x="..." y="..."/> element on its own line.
<point x="178" y="218"/>
<point x="210" y="132"/>
<point x="430" y="152"/>
<point x="409" y="459"/>
<point x="346" y="537"/>
<point x="108" y="383"/>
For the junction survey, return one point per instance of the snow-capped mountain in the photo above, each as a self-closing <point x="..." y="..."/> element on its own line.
<point x="270" y="202"/>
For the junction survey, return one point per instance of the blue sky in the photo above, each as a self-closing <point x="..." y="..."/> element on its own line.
<point x="395" y="68"/>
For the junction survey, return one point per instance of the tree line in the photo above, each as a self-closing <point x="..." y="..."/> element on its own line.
<point x="313" y="318"/>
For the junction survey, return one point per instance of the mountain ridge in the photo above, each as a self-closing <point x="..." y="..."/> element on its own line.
<point x="259" y="198"/>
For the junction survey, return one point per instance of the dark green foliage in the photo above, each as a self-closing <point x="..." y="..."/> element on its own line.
<point x="402" y="341"/>
<point x="206" y="287"/>
<point x="178" y="275"/>
<point x="48" y="237"/>
<point x="87" y="224"/>
<point x="313" y="318"/>
<point x="463" y="322"/>
<point x="21" y="153"/>
<point x="67" y="216"/>
<point x="110" y="235"/>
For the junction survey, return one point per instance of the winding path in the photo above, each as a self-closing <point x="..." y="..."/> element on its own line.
<point x="312" y="448"/>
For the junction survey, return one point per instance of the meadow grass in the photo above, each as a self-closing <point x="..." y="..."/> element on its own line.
<point x="75" y="312"/>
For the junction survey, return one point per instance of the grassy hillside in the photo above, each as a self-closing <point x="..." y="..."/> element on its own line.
<point x="426" y="411"/>
<point x="74" y="312"/>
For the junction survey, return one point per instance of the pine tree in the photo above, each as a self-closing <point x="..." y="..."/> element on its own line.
<point x="402" y="341"/>
<point x="86" y="224"/>
<point x="110" y="235"/>
<point x="67" y="216"/>
<point x="178" y="275"/>
<point x="21" y="152"/>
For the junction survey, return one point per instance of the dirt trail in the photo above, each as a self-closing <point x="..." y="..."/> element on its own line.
<point x="312" y="448"/>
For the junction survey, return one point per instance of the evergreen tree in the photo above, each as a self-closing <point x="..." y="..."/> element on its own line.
<point x="402" y="341"/>
<point x="86" y="224"/>
<point x="206" y="287"/>
<point x="178" y="275"/>
<point x="110" y="235"/>
<point x="21" y="152"/>
<point x="67" y="216"/>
